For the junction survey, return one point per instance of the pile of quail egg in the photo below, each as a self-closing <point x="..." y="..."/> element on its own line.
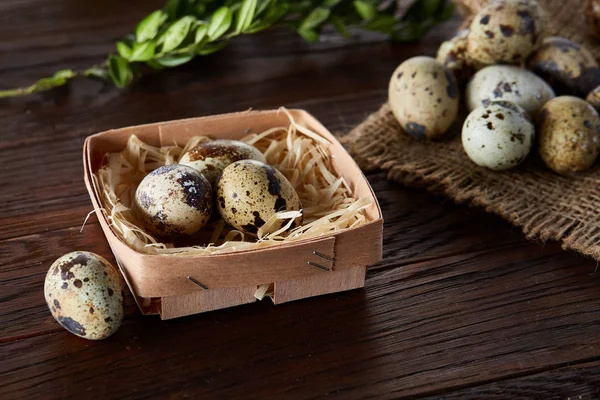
<point x="84" y="292"/>
<point x="511" y="73"/>
<point x="227" y="175"/>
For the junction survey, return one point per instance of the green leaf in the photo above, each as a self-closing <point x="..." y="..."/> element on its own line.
<point x="176" y="34"/>
<point x="148" y="27"/>
<point x="245" y="15"/>
<point x="272" y="15"/>
<point x="64" y="73"/>
<point x="382" y="23"/>
<point x="124" y="50"/>
<point x="172" y="9"/>
<point x="309" y="35"/>
<point x="331" y="3"/>
<point x="154" y="65"/>
<point x="340" y="26"/>
<point x="174" y="61"/>
<point x="143" y="51"/>
<point x="97" y="72"/>
<point x="119" y="71"/>
<point x="201" y="33"/>
<point x="365" y="9"/>
<point x="263" y="6"/>
<point x="447" y="12"/>
<point x="410" y="31"/>
<point x="48" y="83"/>
<point x="212" y="48"/>
<point x="219" y="23"/>
<point x="314" y="19"/>
<point x="430" y="8"/>
<point x="58" y="79"/>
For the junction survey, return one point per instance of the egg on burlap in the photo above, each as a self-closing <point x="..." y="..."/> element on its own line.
<point x="498" y="136"/>
<point x="424" y="97"/>
<point x="567" y="66"/>
<point x="506" y="31"/>
<point x="569" y="134"/>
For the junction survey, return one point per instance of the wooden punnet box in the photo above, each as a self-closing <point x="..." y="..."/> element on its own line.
<point x="168" y="284"/>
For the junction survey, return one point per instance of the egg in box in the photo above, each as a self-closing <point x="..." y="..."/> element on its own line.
<point x="306" y="221"/>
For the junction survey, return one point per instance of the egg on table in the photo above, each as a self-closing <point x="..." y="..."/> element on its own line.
<point x="569" y="134"/>
<point x="250" y="192"/>
<point x="506" y="31"/>
<point x="423" y="96"/>
<point x="84" y="293"/>
<point x="173" y="200"/>
<point x="569" y="67"/>
<point x="498" y="136"/>
<point x="508" y="83"/>
<point x="211" y="158"/>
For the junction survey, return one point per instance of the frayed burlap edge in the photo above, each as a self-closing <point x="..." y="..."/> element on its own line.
<point x="544" y="205"/>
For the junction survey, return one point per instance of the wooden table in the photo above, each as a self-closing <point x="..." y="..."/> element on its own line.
<point x="462" y="305"/>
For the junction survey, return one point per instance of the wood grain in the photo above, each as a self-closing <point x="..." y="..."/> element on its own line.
<point x="418" y="227"/>
<point x="581" y="381"/>
<point x="413" y="330"/>
<point x="460" y="307"/>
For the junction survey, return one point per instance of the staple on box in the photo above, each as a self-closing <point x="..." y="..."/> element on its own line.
<point x="203" y="286"/>
<point x="324" y="268"/>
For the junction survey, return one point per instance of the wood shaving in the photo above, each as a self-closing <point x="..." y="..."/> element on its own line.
<point x="299" y="153"/>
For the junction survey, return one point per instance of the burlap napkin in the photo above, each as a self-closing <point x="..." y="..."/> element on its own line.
<point x="543" y="204"/>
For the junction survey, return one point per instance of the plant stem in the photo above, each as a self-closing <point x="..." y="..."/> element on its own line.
<point x="16" y="92"/>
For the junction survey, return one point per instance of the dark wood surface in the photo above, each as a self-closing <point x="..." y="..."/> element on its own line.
<point x="461" y="306"/>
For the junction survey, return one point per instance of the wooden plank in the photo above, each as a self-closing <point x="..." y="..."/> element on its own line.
<point x="574" y="382"/>
<point x="423" y="327"/>
<point x="418" y="226"/>
<point x="23" y="265"/>
<point x="42" y="135"/>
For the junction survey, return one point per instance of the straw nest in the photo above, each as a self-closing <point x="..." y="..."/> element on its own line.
<point x="300" y="154"/>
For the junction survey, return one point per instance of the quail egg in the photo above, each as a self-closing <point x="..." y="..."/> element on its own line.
<point x="453" y="55"/>
<point x="173" y="200"/>
<point x="569" y="134"/>
<point x="84" y="293"/>
<point x="498" y="136"/>
<point x="508" y="83"/>
<point x="506" y="31"/>
<point x="250" y="192"/>
<point x="211" y="158"/>
<point x="423" y="96"/>
<point x="594" y="98"/>
<point x="567" y="66"/>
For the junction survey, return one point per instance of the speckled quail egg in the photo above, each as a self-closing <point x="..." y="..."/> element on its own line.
<point x="453" y="55"/>
<point x="250" y="192"/>
<point x="84" y="293"/>
<point x="211" y="158"/>
<point x="594" y="98"/>
<point x="506" y="31"/>
<point x="569" y="134"/>
<point x="508" y="83"/>
<point x="173" y="200"/>
<point x="592" y="12"/>
<point x="567" y="66"/>
<point x="498" y="136"/>
<point x="423" y="96"/>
